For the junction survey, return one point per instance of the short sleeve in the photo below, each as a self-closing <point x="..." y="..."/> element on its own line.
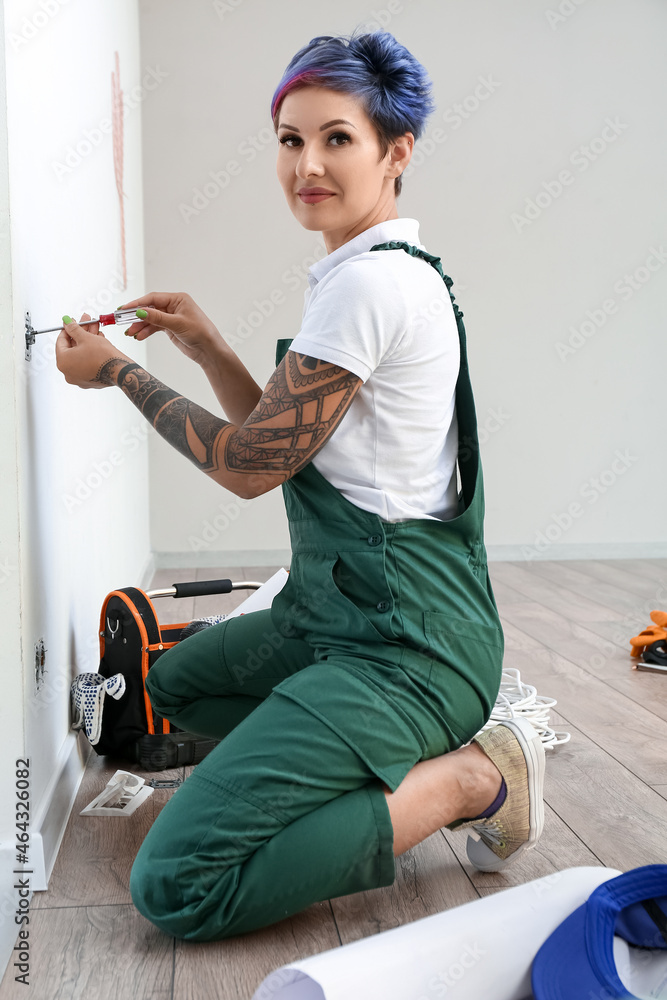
<point x="354" y="317"/>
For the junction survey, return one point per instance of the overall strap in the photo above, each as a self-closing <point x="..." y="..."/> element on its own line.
<point x="436" y="263"/>
<point x="468" y="456"/>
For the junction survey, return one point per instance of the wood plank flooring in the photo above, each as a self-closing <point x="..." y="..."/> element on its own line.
<point x="567" y="629"/>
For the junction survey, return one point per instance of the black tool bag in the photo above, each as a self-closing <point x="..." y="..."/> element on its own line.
<point x="131" y="641"/>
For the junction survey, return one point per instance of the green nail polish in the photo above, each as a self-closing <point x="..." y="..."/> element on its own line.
<point x="67" y="320"/>
<point x="142" y="314"/>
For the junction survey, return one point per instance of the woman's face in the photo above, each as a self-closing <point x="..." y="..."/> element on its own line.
<point x="327" y="142"/>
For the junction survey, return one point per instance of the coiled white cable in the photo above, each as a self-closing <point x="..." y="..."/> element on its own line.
<point x="517" y="699"/>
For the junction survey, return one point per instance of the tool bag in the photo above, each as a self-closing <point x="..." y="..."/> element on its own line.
<point x="131" y="642"/>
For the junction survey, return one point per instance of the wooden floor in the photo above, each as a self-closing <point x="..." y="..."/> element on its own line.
<point x="567" y="629"/>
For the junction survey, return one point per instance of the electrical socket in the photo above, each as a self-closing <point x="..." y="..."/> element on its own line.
<point x="40" y="660"/>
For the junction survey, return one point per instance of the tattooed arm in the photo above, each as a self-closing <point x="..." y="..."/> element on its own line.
<point x="302" y="404"/>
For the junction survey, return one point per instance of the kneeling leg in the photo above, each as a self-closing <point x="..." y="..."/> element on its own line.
<point x="282" y="814"/>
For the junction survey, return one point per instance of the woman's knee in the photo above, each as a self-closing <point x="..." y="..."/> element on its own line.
<point x="185" y="672"/>
<point x="157" y="893"/>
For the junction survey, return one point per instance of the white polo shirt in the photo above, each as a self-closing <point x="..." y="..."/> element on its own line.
<point x="387" y="317"/>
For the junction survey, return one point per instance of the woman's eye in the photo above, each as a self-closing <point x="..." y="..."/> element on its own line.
<point x="293" y="140"/>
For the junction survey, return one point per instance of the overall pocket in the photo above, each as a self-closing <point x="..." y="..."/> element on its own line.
<point x="315" y="605"/>
<point x="440" y="623"/>
<point x="472" y="648"/>
<point x="466" y="668"/>
<point x="350" y="588"/>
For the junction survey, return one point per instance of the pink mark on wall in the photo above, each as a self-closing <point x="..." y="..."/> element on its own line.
<point x="117" y="121"/>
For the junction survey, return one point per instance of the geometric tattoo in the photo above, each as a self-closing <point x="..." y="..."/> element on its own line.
<point x="302" y="404"/>
<point x="105" y="371"/>
<point x="299" y="409"/>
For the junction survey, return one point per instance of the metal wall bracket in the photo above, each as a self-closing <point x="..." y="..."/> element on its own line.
<point x="29" y="336"/>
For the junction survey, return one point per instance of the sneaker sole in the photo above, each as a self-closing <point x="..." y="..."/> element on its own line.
<point x="479" y="854"/>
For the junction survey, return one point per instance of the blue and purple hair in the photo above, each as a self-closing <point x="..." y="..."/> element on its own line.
<point x="393" y="86"/>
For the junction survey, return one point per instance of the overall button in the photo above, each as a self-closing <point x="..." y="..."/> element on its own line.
<point x="383" y="606"/>
<point x="374" y="539"/>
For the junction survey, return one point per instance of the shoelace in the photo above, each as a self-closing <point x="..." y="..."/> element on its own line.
<point x="516" y="699"/>
<point x="490" y="829"/>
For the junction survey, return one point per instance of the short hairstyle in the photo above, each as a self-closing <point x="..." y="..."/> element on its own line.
<point x="393" y="86"/>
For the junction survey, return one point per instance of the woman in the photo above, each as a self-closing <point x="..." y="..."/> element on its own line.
<point x="347" y="745"/>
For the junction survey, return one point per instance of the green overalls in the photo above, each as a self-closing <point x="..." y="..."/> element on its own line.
<point x="384" y="648"/>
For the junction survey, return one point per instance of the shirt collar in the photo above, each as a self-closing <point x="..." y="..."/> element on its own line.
<point x="384" y="232"/>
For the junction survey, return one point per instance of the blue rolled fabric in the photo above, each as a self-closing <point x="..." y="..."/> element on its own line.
<point x="623" y="921"/>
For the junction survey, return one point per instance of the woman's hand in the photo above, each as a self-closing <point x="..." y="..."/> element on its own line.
<point x="82" y="354"/>
<point x="180" y="317"/>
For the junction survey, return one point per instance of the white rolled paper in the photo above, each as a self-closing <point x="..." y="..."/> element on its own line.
<point x="483" y="949"/>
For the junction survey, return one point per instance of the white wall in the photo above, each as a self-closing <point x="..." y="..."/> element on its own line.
<point x="552" y="425"/>
<point x="11" y="716"/>
<point x="79" y="457"/>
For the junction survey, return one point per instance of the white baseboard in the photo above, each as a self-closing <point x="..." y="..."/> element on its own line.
<point x="50" y="821"/>
<point x="496" y="553"/>
<point x="227" y="558"/>
<point x="47" y="831"/>
<point x="148" y="572"/>
<point x="9" y="929"/>
<point x="584" y="550"/>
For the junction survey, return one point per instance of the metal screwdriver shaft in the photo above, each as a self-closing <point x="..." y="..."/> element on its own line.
<point x="105" y="319"/>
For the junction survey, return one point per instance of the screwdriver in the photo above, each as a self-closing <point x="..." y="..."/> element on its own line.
<point x="104" y="319"/>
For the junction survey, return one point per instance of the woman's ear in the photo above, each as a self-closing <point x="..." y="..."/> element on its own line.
<point x="401" y="153"/>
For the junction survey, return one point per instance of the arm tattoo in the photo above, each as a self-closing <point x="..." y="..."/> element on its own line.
<point x="106" y="371"/>
<point x="299" y="409"/>
<point x="190" y="428"/>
